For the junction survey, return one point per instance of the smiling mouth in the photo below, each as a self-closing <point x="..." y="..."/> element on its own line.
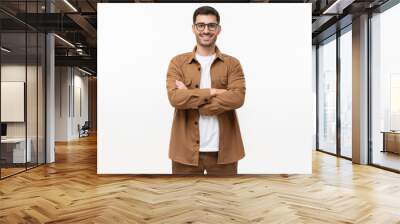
<point x="205" y="37"/>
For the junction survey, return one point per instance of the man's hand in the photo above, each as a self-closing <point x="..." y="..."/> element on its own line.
<point x="215" y="92"/>
<point x="210" y="109"/>
<point x="180" y="85"/>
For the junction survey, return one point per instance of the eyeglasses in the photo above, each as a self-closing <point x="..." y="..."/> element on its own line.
<point x="202" y="26"/>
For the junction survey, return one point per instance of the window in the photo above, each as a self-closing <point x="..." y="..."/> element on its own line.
<point x="346" y="93"/>
<point x="327" y="96"/>
<point x="385" y="89"/>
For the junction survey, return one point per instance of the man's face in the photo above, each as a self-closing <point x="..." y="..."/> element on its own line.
<point x="206" y="36"/>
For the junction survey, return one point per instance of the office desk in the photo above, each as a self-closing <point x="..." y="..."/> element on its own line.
<point x="13" y="150"/>
<point x="391" y="141"/>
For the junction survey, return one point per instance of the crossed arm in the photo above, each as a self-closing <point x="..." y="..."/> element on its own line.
<point x="209" y="101"/>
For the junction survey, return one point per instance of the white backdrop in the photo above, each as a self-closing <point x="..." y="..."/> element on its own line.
<point x="135" y="45"/>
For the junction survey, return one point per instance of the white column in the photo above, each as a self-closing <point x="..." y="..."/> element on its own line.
<point x="50" y="93"/>
<point x="360" y="90"/>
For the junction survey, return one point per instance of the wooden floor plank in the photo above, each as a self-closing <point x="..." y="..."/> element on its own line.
<point x="70" y="191"/>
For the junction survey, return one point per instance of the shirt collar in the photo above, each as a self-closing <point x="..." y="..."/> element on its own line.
<point x="218" y="54"/>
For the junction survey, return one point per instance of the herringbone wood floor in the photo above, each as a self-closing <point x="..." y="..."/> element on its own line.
<point x="70" y="191"/>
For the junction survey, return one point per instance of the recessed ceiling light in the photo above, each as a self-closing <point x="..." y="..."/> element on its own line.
<point x="84" y="71"/>
<point x="70" y="5"/>
<point x="64" y="40"/>
<point x="5" y="50"/>
<point x="338" y="6"/>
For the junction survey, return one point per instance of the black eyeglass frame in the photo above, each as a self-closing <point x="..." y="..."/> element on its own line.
<point x="208" y="26"/>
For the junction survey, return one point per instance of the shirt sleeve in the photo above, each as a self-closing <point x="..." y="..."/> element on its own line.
<point x="184" y="98"/>
<point x="231" y="99"/>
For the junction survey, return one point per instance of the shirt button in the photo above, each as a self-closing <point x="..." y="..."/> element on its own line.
<point x="197" y="86"/>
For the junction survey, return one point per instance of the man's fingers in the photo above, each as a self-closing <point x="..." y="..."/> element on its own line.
<point x="219" y="91"/>
<point x="180" y="85"/>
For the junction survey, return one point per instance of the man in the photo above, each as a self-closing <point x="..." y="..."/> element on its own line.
<point x="205" y="86"/>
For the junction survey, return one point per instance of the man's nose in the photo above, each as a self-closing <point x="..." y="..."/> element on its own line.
<point x="206" y="30"/>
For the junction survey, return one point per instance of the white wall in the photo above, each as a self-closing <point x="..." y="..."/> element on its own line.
<point x="61" y="103"/>
<point x="17" y="72"/>
<point x="80" y="84"/>
<point x="314" y="92"/>
<point x="135" y="117"/>
<point x="68" y="81"/>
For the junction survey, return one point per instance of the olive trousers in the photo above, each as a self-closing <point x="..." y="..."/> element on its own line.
<point x="208" y="163"/>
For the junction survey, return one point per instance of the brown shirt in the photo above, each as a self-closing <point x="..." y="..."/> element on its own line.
<point x="226" y="73"/>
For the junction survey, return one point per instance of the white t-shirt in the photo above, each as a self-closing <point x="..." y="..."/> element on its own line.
<point x="208" y="125"/>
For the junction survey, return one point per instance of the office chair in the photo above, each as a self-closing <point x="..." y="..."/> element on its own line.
<point x="84" y="130"/>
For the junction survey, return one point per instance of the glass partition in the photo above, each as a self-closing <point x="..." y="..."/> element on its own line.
<point x="22" y="101"/>
<point x="14" y="153"/>
<point x="385" y="89"/>
<point x="41" y="91"/>
<point x="32" y="95"/>
<point x="327" y="95"/>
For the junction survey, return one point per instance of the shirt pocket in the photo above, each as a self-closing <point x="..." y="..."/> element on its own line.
<point x="221" y="80"/>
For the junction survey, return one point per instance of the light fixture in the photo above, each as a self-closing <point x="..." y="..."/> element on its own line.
<point x="64" y="40"/>
<point x="5" y="50"/>
<point x="84" y="71"/>
<point x="80" y="51"/>
<point x="70" y="5"/>
<point x="338" y="6"/>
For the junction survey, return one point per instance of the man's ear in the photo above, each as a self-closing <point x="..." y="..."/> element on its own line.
<point x="193" y="29"/>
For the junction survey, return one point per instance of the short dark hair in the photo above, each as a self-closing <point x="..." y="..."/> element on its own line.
<point x="205" y="10"/>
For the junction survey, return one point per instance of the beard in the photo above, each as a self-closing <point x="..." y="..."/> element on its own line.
<point x="203" y="43"/>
